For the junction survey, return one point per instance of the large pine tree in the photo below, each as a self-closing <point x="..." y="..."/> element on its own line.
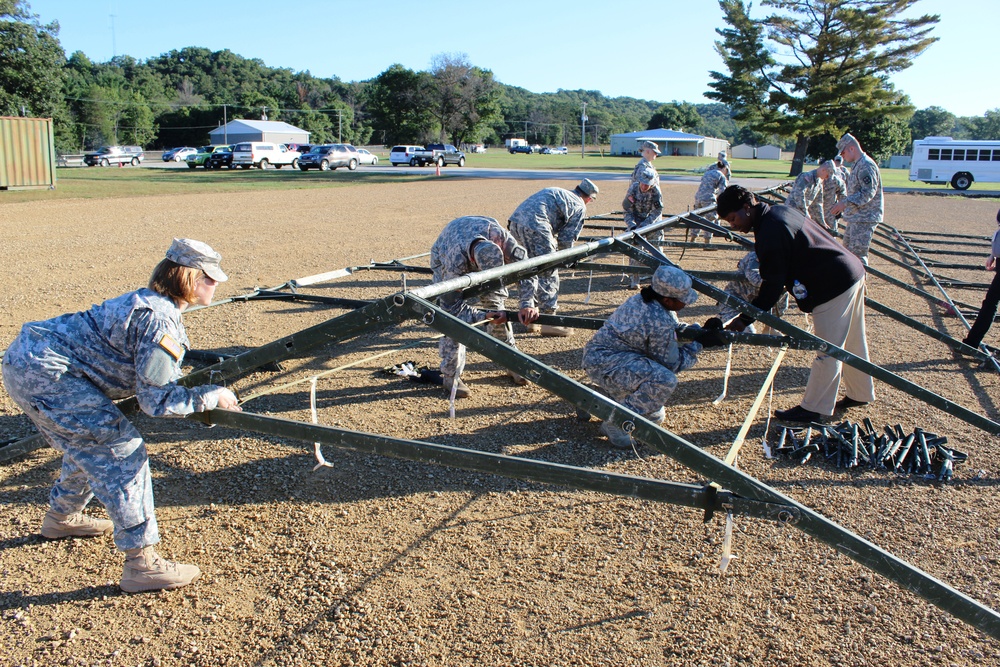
<point x="800" y="71"/>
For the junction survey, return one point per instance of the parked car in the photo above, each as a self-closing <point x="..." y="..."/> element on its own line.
<point x="326" y="157"/>
<point x="263" y="154"/>
<point x="521" y="149"/>
<point x="404" y="155"/>
<point x="200" y="159"/>
<point x="178" y="154"/>
<point x="222" y="157"/>
<point x="365" y="157"/>
<point x="301" y="148"/>
<point x="561" y="150"/>
<point x="120" y="155"/>
<point x="438" y="154"/>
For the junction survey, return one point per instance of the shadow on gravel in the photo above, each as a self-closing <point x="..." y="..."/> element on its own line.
<point x="18" y="600"/>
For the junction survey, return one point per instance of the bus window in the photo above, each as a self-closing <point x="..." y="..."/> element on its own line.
<point x="996" y="155"/>
<point x="945" y="153"/>
<point x="935" y="153"/>
<point x="959" y="154"/>
<point x="984" y="155"/>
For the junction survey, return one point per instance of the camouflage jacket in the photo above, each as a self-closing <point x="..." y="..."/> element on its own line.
<point x="132" y="344"/>
<point x="864" y="192"/>
<point x="556" y="211"/>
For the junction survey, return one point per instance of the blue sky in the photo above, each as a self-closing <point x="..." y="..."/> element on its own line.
<point x="663" y="54"/>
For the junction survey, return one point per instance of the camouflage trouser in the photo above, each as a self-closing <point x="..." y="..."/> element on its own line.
<point x="712" y="216"/>
<point x="103" y="454"/>
<point x="458" y="307"/>
<point x="857" y="238"/>
<point x="539" y="242"/>
<point x="638" y="383"/>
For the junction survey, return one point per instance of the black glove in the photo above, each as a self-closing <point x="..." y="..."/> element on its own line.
<point x="712" y="323"/>
<point x="711" y="338"/>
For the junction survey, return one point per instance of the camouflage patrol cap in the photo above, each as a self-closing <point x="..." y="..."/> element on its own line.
<point x="588" y="188"/>
<point x="845" y="141"/>
<point x="197" y="255"/>
<point x="487" y="255"/>
<point x="671" y="281"/>
<point x="647" y="176"/>
<point x="650" y="145"/>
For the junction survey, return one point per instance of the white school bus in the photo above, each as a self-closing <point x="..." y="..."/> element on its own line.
<point x="940" y="160"/>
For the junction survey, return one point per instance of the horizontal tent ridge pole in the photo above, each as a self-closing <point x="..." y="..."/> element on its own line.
<point x="643" y="488"/>
<point x="705" y="464"/>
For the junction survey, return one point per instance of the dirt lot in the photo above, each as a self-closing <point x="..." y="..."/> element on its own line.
<point x="378" y="561"/>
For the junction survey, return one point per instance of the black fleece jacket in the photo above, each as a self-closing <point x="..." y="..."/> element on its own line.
<point x="791" y="247"/>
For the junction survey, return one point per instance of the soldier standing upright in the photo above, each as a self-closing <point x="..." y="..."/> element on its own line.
<point x="863" y="206"/>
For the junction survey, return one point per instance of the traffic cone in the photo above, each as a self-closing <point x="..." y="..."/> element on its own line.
<point x="437" y="169"/>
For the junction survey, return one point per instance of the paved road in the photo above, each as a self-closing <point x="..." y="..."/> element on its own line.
<point x="597" y="176"/>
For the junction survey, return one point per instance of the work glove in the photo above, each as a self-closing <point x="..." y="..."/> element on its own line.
<point x="712" y="323"/>
<point x="711" y="338"/>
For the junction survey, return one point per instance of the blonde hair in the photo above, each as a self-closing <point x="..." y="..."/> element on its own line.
<point x="174" y="281"/>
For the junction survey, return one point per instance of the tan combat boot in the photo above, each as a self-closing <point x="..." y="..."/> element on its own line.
<point x="461" y="391"/>
<point x="517" y="378"/>
<point x="554" y="331"/>
<point x="56" y="526"/>
<point x="146" y="570"/>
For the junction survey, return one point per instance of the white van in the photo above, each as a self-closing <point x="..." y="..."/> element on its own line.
<point x="263" y="154"/>
<point x="404" y="155"/>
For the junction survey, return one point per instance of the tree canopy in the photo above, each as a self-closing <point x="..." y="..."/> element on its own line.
<point x="812" y="66"/>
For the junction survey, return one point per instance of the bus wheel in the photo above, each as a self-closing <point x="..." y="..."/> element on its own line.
<point x="961" y="181"/>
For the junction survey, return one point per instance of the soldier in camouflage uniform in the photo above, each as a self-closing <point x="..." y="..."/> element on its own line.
<point x="548" y="220"/>
<point x="649" y="152"/>
<point x="747" y="286"/>
<point x="807" y="194"/>
<point x="643" y="205"/>
<point x="634" y="358"/>
<point x="863" y="206"/>
<point x="713" y="181"/>
<point x="834" y="189"/>
<point x="466" y="245"/>
<point x="65" y="373"/>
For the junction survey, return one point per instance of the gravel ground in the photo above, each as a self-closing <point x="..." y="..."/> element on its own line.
<point x="377" y="561"/>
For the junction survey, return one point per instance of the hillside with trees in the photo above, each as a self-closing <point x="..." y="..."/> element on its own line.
<point x="176" y="98"/>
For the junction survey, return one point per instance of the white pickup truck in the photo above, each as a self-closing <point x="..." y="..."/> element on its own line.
<point x="263" y="154"/>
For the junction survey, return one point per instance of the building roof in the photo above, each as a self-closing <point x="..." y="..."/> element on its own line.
<point x="259" y="126"/>
<point x="660" y="134"/>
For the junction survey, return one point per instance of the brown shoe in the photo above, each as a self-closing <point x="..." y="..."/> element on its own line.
<point x="56" y="526"/>
<point x="146" y="570"/>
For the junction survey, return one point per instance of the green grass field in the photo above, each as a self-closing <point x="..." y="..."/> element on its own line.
<point x="95" y="182"/>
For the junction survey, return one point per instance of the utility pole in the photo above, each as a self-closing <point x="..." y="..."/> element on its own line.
<point x="114" y="49"/>
<point x="583" y="131"/>
<point x="225" y="126"/>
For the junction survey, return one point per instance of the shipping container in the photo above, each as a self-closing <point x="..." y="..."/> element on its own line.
<point x="27" y="153"/>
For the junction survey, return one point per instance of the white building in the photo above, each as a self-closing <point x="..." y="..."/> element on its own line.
<point x="670" y="142"/>
<point x="769" y="152"/>
<point x="275" y="131"/>
<point x="744" y="151"/>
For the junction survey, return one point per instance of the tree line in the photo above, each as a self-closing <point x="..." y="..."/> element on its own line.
<point x="803" y="102"/>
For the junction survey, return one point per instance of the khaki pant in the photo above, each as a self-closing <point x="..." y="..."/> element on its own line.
<point x="840" y="321"/>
